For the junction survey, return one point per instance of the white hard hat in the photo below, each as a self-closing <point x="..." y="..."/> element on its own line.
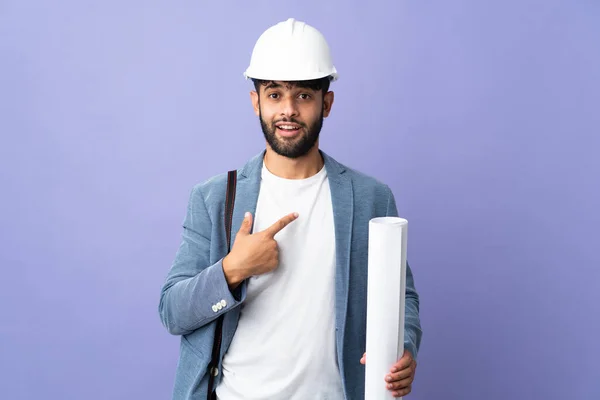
<point x="291" y="51"/>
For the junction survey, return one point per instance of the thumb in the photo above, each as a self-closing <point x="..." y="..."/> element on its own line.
<point x="246" y="224"/>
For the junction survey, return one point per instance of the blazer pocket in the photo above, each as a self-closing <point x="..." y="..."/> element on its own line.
<point x="191" y="364"/>
<point x="186" y="345"/>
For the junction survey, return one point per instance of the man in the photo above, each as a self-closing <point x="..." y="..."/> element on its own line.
<point x="292" y="290"/>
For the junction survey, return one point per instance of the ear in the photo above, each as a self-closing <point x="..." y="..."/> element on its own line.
<point x="255" y="102"/>
<point x="327" y="103"/>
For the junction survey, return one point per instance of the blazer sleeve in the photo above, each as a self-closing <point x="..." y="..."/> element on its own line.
<point x="412" y="322"/>
<point x="195" y="291"/>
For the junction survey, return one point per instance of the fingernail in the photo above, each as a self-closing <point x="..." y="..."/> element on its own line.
<point x="247" y="215"/>
<point x="389" y="378"/>
<point x="394" y="369"/>
<point x="296" y="214"/>
<point x="390" y="386"/>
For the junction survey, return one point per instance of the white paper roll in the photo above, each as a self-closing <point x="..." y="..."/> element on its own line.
<point x="386" y="289"/>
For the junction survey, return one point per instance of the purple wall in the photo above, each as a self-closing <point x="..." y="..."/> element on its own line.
<point x="483" y="117"/>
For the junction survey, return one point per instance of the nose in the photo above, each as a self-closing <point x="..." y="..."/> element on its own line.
<point x="289" y="108"/>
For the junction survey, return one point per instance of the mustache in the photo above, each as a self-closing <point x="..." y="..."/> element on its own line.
<point x="292" y="120"/>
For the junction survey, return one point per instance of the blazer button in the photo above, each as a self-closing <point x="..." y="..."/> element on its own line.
<point x="214" y="371"/>
<point x="223" y="303"/>
<point x="214" y="308"/>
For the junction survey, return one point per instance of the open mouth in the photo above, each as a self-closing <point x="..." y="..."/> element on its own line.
<point x="290" y="128"/>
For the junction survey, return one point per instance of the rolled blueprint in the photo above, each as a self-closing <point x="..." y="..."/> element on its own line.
<point x="386" y="288"/>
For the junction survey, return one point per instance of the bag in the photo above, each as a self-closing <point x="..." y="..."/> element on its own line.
<point x="214" y="363"/>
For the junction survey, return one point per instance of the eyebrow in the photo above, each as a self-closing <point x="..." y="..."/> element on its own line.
<point x="274" y="85"/>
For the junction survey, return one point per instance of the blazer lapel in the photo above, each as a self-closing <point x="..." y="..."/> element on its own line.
<point x="342" y="199"/>
<point x="248" y="187"/>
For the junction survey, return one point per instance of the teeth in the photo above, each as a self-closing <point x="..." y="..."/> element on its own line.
<point x="287" y="127"/>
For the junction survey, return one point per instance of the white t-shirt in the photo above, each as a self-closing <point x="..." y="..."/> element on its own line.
<point x="284" y="346"/>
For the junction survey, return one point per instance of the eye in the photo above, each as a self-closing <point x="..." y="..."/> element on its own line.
<point x="273" y="95"/>
<point x="304" y="96"/>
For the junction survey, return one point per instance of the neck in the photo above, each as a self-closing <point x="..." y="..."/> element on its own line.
<point x="294" y="168"/>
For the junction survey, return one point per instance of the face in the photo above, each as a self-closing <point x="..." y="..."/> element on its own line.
<point x="291" y="117"/>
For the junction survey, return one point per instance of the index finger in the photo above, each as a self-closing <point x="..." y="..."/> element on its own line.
<point x="405" y="362"/>
<point x="279" y="225"/>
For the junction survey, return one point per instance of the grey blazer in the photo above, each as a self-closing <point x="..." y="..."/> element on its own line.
<point x="195" y="285"/>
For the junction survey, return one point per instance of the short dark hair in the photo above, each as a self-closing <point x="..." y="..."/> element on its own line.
<point x="314" y="84"/>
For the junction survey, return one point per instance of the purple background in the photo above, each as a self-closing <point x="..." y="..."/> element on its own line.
<point x="483" y="117"/>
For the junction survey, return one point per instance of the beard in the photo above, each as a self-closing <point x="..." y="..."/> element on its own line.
<point x="295" y="147"/>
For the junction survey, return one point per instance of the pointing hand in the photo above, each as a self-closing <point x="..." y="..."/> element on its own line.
<point x="254" y="254"/>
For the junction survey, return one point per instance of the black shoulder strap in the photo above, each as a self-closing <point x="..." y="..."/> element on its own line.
<point x="229" y="202"/>
<point x="213" y="367"/>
